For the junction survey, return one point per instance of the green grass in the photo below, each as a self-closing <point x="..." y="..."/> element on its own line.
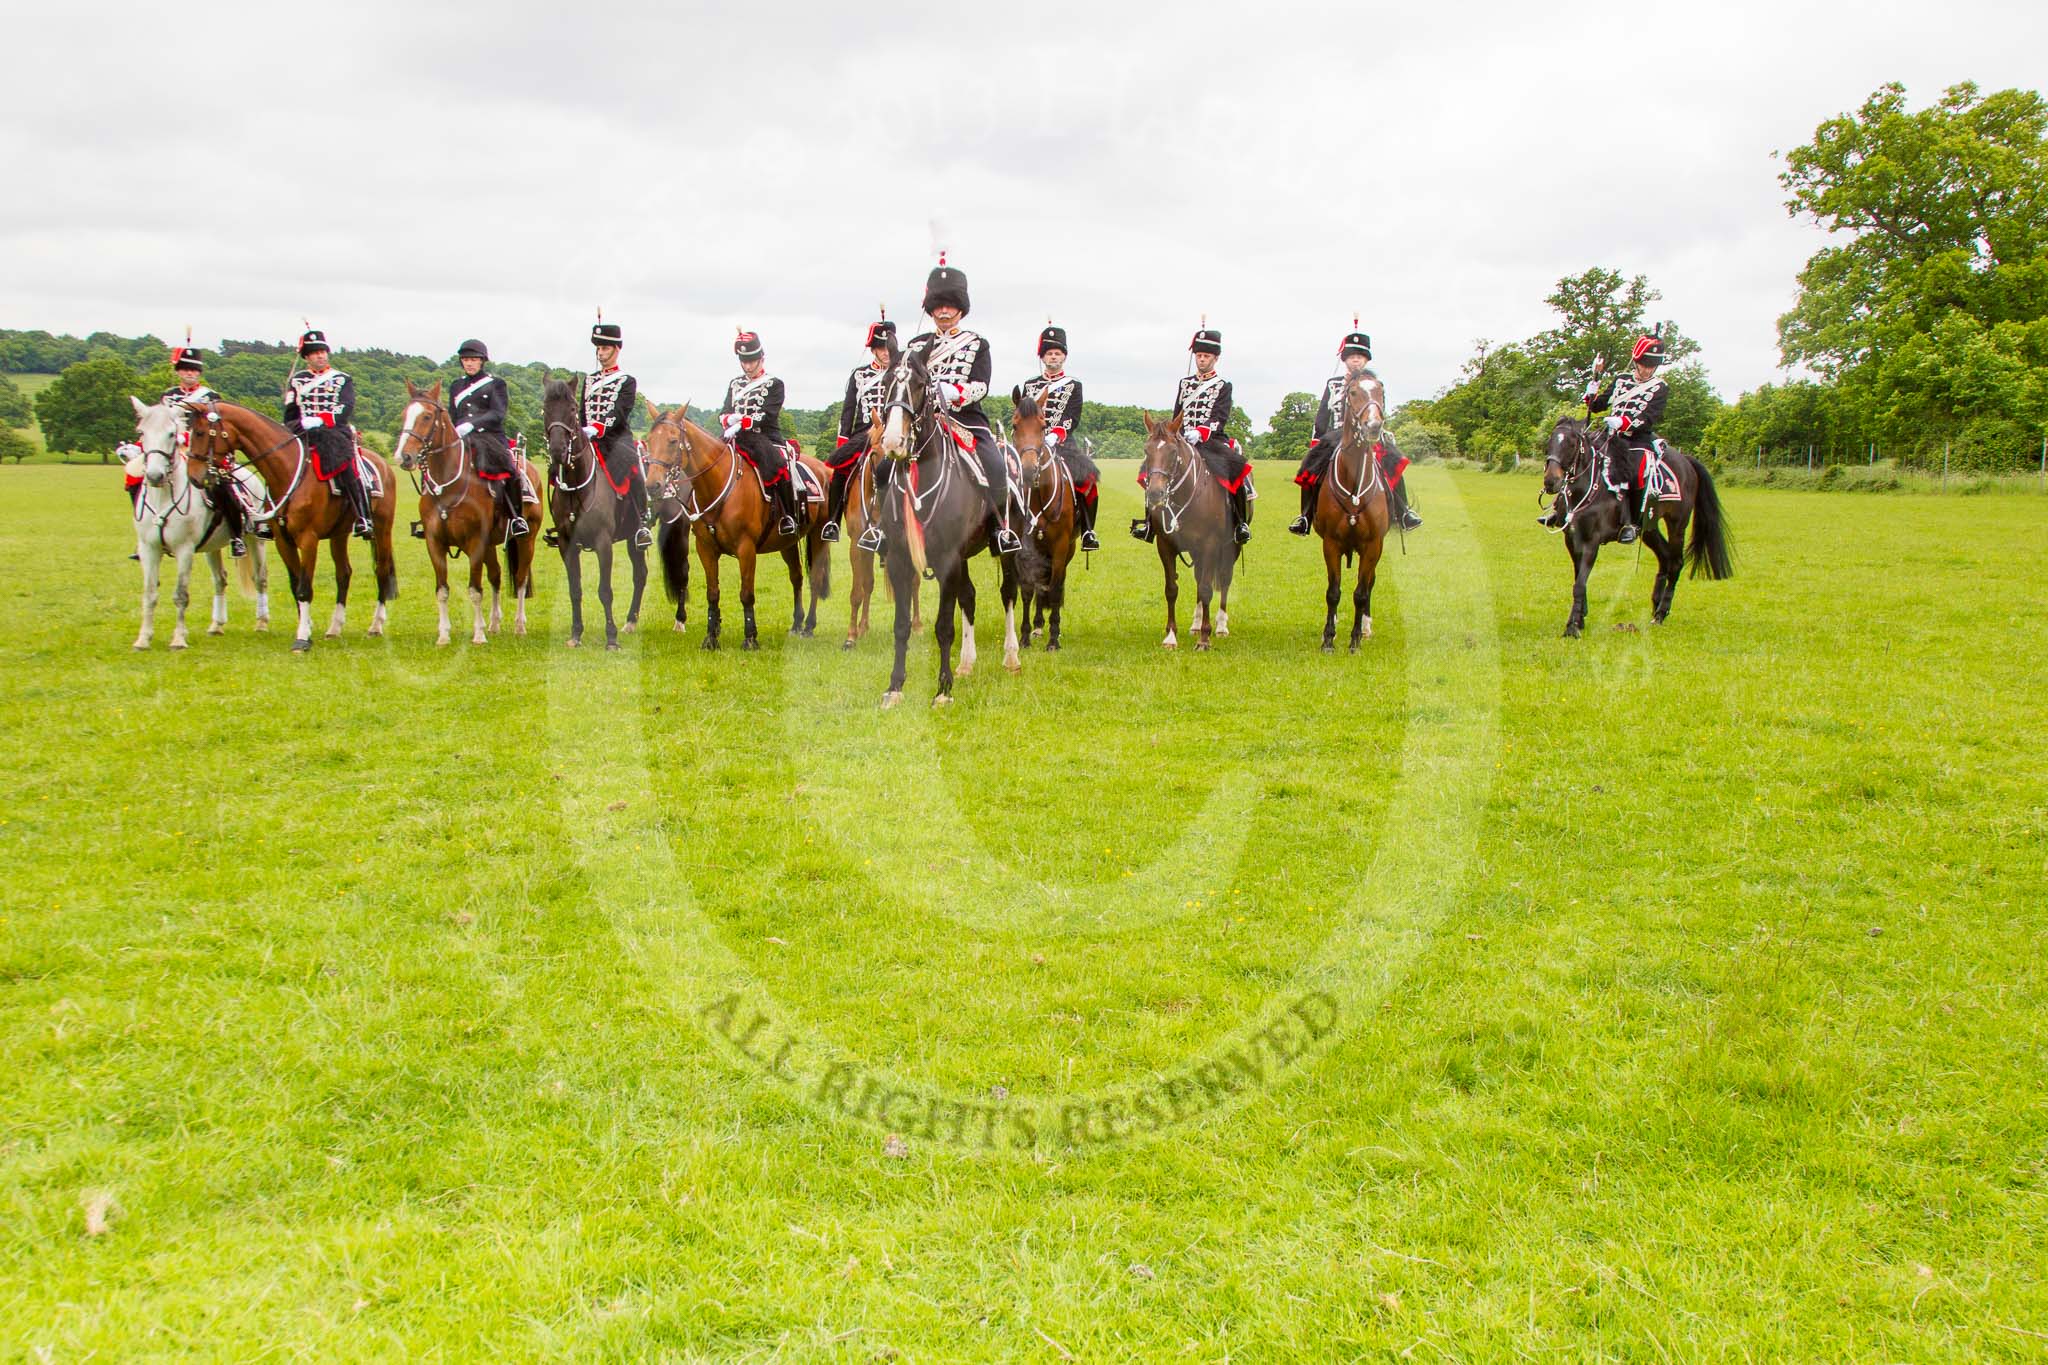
<point x="1691" y="980"/>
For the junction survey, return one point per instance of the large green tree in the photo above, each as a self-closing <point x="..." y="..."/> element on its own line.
<point x="1287" y="435"/>
<point x="14" y="405"/>
<point x="87" y="408"/>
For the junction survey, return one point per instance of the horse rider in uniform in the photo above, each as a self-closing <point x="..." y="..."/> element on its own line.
<point x="1635" y="404"/>
<point x="1356" y="353"/>
<point x="1202" y="407"/>
<point x="189" y="365"/>
<point x="959" y="363"/>
<point x="752" y="418"/>
<point x="477" y="403"/>
<point x="1058" y="396"/>
<point x="320" y="401"/>
<point x="866" y="391"/>
<point x="608" y="397"/>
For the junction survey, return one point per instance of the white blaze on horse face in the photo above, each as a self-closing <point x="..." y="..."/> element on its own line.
<point x="412" y="414"/>
<point x="895" y="432"/>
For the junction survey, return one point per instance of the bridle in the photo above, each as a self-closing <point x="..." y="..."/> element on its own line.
<point x="565" y="460"/>
<point x="679" y="478"/>
<point x="212" y="459"/>
<point x="1176" y="476"/>
<point x="1356" y="424"/>
<point x="1038" y="468"/>
<point x="419" y="461"/>
<point x="1569" y="471"/>
<point x="925" y="432"/>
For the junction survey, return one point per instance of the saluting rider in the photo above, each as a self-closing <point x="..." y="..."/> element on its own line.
<point x="1634" y="403"/>
<point x="752" y="418"/>
<point x="1058" y="395"/>
<point x="1356" y="352"/>
<point x="958" y="360"/>
<point x="866" y="390"/>
<point x="1201" y="404"/>
<point x="608" y="397"/>
<point x="321" y="401"/>
<point x="477" y="403"/>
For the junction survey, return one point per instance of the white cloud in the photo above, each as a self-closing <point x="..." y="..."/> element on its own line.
<point x="410" y="175"/>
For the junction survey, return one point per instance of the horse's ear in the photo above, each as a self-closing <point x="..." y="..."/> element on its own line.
<point x="411" y="389"/>
<point x="1017" y="395"/>
<point x="434" y="393"/>
<point x="652" y="411"/>
<point x="140" y="406"/>
<point x="1151" y="427"/>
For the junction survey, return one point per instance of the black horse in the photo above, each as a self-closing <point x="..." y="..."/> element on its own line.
<point x="933" y="521"/>
<point x="589" y="511"/>
<point x="1592" y="517"/>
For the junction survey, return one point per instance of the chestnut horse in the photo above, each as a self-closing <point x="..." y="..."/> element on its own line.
<point x="1045" y="488"/>
<point x="588" y="510"/>
<point x="862" y="511"/>
<point x="303" y="509"/>
<point x="725" y="509"/>
<point x="1189" y="513"/>
<point x="459" y="515"/>
<point x="1351" y="509"/>
<point x="934" y="520"/>
<point x="1592" y="517"/>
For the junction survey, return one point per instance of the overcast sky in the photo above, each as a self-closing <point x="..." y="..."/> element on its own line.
<point x="410" y="175"/>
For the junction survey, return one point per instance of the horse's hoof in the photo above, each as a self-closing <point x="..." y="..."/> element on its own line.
<point x="1571" y="632"/>
<point x="679" y="628"/>
<point x="1354" y="646"/>
<point x="333" y="634"/>
<point x="440" y="640"/>
<point x="629" y="627"/>
<point x="749" y="645"/>
<point x="1013" y="664"/>
<point x="574" y="643"/>
<point x="262" y="623"/>
<point x="710" y="642"/>
<point x="216" y="629"/>
<point x="1329" y="646"/>
<point x="941" y="700"/>
<point x="479" y="639"/>
<point x="1201" y="645"/>
<point x="374" y="632"/>
<point x="142" y="644"/>
<point x="302" y="646"/>
<point x="1052" y="646"/>
<point x="890" y="700"/>
<point x="847" y="643"/>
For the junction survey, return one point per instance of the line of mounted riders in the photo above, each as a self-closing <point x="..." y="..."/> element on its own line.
<point x="918" y="476"/>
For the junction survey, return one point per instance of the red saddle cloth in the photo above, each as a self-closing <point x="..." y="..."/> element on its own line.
<point x="620" y="478"/>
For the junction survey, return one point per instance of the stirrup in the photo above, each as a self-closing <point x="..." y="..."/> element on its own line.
<point x="829" y="531"/>
<point x="1628" y="533"/>
<point x="1141" y="528"/>
<point x="786" y="526"/>
<point x="1299" y="526"/>
<point x="1244" y="532"/>
<point x="552" y="537"/>
<point x="1410" y="521"/>
<point x="237" y="549"/>
<point x="642" y="537"/>
<point x="419" y="530"/>
<point x="1089" y="541"/>
<point x="870" y="540"/>
<point x="365" y="529"/>
<point x="1007" y="541"/>
<point x="517" y="526"/>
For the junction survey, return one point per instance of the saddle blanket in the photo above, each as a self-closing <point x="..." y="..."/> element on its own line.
<point x="1660" y="479"/>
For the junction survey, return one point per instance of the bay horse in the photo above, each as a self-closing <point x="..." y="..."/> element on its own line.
<point x="1352" y="511"/>
<point x="934" y="520"/>
<point x="302" y="509"/>
<point x="173" y="518"/>
<point x="1592" y="516"/>
<point x="459" y="515"/>
<point x="1045" y="492"/>
<point x="589" y="511"/>
<point x="725" y="509"/>
<point x="863" y="510"/>
<point x="1190" y="514"/>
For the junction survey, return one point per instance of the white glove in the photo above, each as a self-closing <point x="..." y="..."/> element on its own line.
<point x="1191" y="436"/>
<point x="732" y="422"/>
<point x="953" y="394"/>
<point x="310" y="424"/>
<point x="1612" y="424"/>
<point x="1592" y="387"/>
<point x="1052" y="439"/>
<point x="464" y="428"/>
<point x="590" y="431"/>
<point x="127" y="451"/>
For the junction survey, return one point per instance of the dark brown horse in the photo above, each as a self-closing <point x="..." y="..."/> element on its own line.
<point x="934" y="520"/>
<point x="303" y="510"/>
<point x="1351" y="511"/>
<point x="1592" y="517"/>
<point x="1046" y="490"/>
<point x="589" y="509"/>
<point x="862" y="511"/>
<point x="726" y="511"/>
<point x="460" y="516"/>
<point x="1189" y="514"/>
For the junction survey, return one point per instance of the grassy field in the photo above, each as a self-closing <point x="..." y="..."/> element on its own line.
<point x="1671" y="994"/>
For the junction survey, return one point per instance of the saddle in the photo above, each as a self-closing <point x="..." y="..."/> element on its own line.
<point x="1660" y="479"/>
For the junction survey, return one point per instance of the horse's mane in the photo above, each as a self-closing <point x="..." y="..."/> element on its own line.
<point x="1027" y="407"/>
<point x="556" y="390"/>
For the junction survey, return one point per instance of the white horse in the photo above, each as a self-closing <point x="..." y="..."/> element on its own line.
<point x="172" y="518"/>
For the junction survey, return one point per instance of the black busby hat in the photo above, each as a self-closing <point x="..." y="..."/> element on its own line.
<point x="606" y="333"/>
<point x="881" y="332"/>
<point x="1649" y="350"/>
<point x="1355" y="343"/>
<point x="311" y="340"/>
<point x="747" y="345"/>
<point x="472" y="347"/>
<point x="946" y="284"/>
<point x="1052" y="339"/>
<point x="1208" y="341"/>
<point x="187" y="357"/>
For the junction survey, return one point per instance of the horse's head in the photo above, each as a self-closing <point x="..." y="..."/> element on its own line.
<point x="1567" y="454"/>
<point x="672" y="458"/>
<point x="1363" y="418"/>
<point x="160" y="434"/>
<point x="561" y="408"/>
<point x="1027" y="434"/>
<point x="1165" y="449"/>
<point x="420" y="437"/>
<point x="909" y="408"/>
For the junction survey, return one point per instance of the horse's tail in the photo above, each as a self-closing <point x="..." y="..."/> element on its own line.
<point x="1709" y="549"/>
<point x="674" y="545"/>
<point x="1034" y="569"/>
<point x="245" y="574"/>
<point x="818" y="559"/>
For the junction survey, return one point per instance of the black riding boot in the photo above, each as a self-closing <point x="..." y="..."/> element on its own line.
<point x="508" y="495"/>
<point x="835" y="502"/>
<point x="787" y="496"/>
<point x="1241" y="509"/>
<point x="1086" y="508"/>
<point x="1627" y="499"/>
<point x="998" y="495"/>
<point x="1301" y="525"/>
<point x="636" y="497"/>
<point x="1403" y="515"/>
<point x="359" y="499"/>
<point x="229" y="506"/>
